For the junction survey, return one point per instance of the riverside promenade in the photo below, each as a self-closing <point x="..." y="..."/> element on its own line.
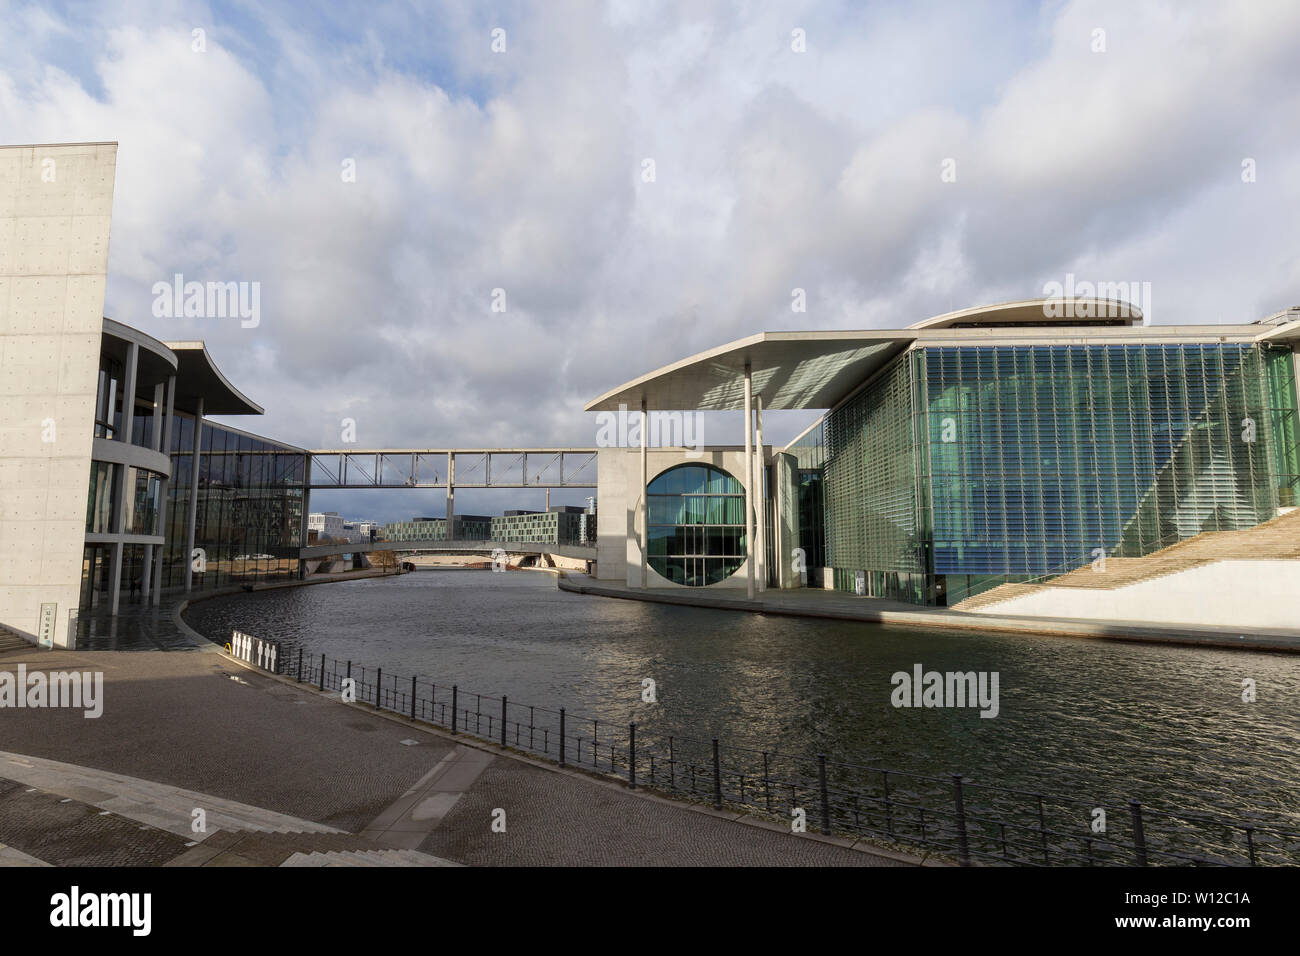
<point x="836" y="605"/>
<point x="290" y="776"/>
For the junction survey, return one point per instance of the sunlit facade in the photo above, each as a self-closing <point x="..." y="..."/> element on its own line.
<point x="960" y="468"/>
<point x="1005" y="443"/>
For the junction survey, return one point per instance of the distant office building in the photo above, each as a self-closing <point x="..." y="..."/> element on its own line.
<point x="468" y="528"/>
<point x="326" y="522"/>
<point x="337" y="528"/>
<point x="562" y="524"/>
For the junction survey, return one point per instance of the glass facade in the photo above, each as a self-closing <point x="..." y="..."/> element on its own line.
<point x="696" y="527"/>
<point x="249" y="519"/>
<point x="144" y="491"/>
<point x="872" y="492"/>
<point x="99" y="501"/>
<point x="961" y="468"/>
<point x="107" y="397"/>
<point x="809" y="451"/>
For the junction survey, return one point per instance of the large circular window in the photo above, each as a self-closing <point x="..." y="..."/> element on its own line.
<point x="697" y="525"/>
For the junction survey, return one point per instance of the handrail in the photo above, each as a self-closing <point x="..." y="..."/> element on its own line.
<point x="966" y="819"/>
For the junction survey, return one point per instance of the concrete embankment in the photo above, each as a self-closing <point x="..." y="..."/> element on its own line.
<point x="814" y="603"/>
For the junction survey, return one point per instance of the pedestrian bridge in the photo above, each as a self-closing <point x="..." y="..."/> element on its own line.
<point x="465" y="546"/>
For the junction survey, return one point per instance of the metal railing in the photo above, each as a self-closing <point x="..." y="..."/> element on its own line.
<point x="951" y="815"/>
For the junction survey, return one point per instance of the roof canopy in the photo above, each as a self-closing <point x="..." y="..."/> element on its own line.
<point x="803" y="370"/>
<point x="789" y="370"/>
<point x="197" y="376"/>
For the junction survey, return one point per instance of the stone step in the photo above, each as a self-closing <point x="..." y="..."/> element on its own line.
<point x="13" y="641"/>
<point x="364" y="858"/>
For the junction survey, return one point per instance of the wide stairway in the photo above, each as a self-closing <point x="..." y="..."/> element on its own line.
<point x="12" y="641"/>
<point x="1278" y="538"/>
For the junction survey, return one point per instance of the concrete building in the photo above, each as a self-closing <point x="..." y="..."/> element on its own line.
<point x="559" y="524"/>
<point x="1005" y="443"/>
<point x="326" y="522"/>
<point x="468" y="528"/>
<point x="56" y="203"/>
<point x="113" y="484"/>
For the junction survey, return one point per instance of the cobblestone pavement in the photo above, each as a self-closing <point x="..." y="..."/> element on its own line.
<point x="195" y="720"/>
<point x="556" y="819"/>
<point x="65" y="832"/>
<point x="198" y="721"/>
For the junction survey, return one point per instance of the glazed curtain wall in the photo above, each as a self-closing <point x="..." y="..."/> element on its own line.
<point x="249" y="517"/>
<point x="871" y="488"/>
<point x="964" y="467"/>
<point x="1038" y="456"/>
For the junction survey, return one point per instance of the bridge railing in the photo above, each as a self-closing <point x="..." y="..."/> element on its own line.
<point x="965" y="820"/>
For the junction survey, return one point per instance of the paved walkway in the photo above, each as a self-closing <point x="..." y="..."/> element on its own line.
<point x="198" y="728"/>
<point x="836" y="605"/>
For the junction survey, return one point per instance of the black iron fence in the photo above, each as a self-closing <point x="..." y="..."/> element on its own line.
<point x="954" y="816"/>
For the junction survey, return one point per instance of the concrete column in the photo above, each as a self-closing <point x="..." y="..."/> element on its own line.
<point x="156" y="439"/>
<point x="306" y="513"/>
<point x="645" y="500"/>
<point x="128" y="392"/>
<point x="115" y="573"/>
<point x="749" y="484"/>
<point x="451" y="494"/>
<point x="118" y="522"/>
<point x="165" y="490"/>
<point x="760" y="532"/>
<point x="187" y="557"/>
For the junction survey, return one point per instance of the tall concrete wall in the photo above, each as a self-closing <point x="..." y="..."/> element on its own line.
<point x="1246" y="594"/>
<point x="55" y="207"/>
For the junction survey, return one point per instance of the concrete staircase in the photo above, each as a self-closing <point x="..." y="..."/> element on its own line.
<point x="13" y="641"/>
<point x="365" y="858"/>
<point x="1278" y="538"/>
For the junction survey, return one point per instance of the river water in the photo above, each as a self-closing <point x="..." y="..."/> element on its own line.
<point x="1098" y="720"/>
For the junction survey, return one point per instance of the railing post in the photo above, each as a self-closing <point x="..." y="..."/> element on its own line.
<point x="717" y="777"/>
<point x="826" y="801"/>
<point x="503" y="721"/>
<point x="454" y="691"/>
<point x="1139" y="837"/>
<point x="299" y="665"/>
<point x="1042" y="827"/>
<point x="561" y="736"/>
<point x="963" y="843"/>
<point x="379" y="683"/>
<point x="1250" y="843"/>
<point x="767" y="783"/>
<point x="322" y="672"/>
<point x="631" y="755"/>
<point x="889" y="807"/>
<point x="413" y="697"/>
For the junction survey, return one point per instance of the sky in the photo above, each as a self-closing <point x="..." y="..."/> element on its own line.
<point x="643" y="181"/>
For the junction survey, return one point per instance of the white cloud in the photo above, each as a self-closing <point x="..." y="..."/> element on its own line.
<point x="774" y="170"/>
